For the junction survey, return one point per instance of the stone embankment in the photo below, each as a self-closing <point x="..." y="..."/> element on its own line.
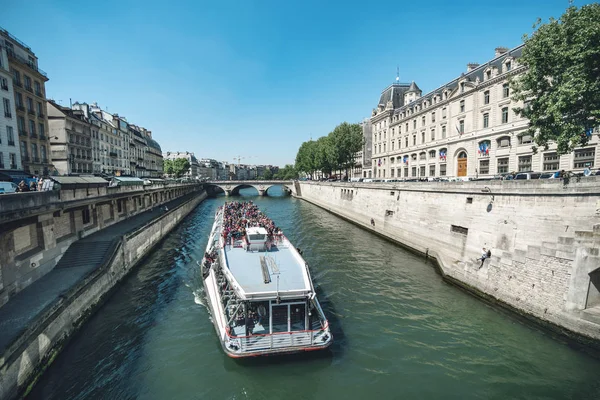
<point x="37" y="321"/>
<point x="544" y="238"/>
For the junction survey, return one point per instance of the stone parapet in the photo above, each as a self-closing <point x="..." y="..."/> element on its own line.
<point x="544" y="237"/>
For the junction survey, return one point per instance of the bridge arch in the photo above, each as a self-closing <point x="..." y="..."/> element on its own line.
<point x="232" y="188"/>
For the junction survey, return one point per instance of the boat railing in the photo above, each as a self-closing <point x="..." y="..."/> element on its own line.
<point x="276" y="340"/>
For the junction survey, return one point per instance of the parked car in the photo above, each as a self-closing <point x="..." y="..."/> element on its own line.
<point x="527" y="175"/>
<point x="8" y="187"/>
<point x="547" y="175"/>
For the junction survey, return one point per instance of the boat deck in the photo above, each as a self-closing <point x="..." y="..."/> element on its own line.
<point x="247" y="268"/>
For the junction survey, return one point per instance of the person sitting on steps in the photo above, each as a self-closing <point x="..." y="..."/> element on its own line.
<point x="484" y="255"/>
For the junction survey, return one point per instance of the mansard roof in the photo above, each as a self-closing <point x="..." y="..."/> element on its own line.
<point x="474" y="76"/>
<point x="395" y="93"/>
<point x="413" y="88"/>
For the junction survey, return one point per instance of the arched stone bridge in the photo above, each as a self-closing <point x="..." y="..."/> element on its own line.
<point x="232" y="188"/>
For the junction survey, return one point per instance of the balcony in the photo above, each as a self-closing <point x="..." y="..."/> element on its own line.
<point x="31" y="112"/>
<point x="42" y="136"/>
<point x="32" y="66"/>
<point x="20" y="108"/>
<point x="4" y="87"/>
<point x="13" y="166"/>
<point x="18" y="83"/>
<point x="33" y="135"/>
<point x="40" y="114"/>
<point x="7" y="114"/>
<point x="36" y="159"/>
<point x="11" y="143"/>
<point x="29" y="89"/>
<point x="22" y="132"/>
<point x="45" y="161"/>
<point x="38" y="93"/>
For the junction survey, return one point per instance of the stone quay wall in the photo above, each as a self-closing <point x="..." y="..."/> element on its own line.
<point x="36" y="228"/>
<point x="20" y="369"/>
<point x="544" y="236"/>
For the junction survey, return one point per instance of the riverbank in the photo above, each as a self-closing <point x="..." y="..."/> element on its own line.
<point x="544" y="239"/>
<point x="67" y="296"/>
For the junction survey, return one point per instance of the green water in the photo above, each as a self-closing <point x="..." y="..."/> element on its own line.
<point x="400" y="331"/>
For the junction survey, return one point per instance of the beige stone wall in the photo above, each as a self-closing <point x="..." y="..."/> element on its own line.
<point x="536" y="230"/>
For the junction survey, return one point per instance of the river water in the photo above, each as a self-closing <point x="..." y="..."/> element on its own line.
<point x="400" y="331"/>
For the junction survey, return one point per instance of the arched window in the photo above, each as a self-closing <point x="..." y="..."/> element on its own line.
<point x="503" y="142"/>
<point x="413" y="156"/>
<point x="462" y="154"/>
<point x="432" y="154"/>
<point x="422" y="155"/>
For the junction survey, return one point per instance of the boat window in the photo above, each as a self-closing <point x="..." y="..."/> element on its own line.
<point x="297" y="317"/>
<point x="257" y="236"/>
<point x="280" y="318"/>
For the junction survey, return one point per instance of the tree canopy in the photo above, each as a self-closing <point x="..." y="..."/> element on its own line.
<point x="333" y="152"/>
<point x="561" y="85"/>
<point x="286" y="173"/>
<point x="177" y="167"/>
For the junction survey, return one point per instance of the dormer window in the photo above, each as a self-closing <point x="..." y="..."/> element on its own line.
<point x="488" y="74"/>
<point x="508" y="66"/>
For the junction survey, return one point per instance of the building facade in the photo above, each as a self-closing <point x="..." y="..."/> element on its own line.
<point x="192" y="173"/>
<point x="30" y="100"/>
<point x="465" y="128"/>
<point x="71" y="140"/>
<point x="10" y="155"/>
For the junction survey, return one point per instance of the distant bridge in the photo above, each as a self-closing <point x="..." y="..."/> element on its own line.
<point x="232" y="188"/>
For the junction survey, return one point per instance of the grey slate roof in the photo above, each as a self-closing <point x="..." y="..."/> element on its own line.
<point x="394" y="92"/>
<point x="153" y="143"/>
<point x="413" y="88"/>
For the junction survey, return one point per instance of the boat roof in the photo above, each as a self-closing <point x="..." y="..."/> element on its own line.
<point x="283" y="262"/>
<point x="256" y="230"/>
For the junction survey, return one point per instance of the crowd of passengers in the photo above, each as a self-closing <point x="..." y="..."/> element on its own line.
<point x="237" y="216"/>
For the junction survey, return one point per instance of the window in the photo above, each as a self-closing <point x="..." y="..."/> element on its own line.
<point x="1" y="160"/>
<point x="462" y="106"/>
<point x="3" y="83"/>
<point x="504" y="142"/>
<point x="21" y="125"/>
<point x="462" y="87"/>
<point x="414" y="140"/>
<point x="19" y="100"/>
<point x="30" y="105"/>
<point x="406" y="141"/>
<point x="503" y="165"/>
<point x="414" y="124"/>
<point x="584" y="158"/>
<point x="27" y="82"/>
<point x="38" y="88"/>
<point x="508" y="66"/>
<point x="505" y="90"/>
<point x="444" y="132"/>
<point x="392" y="173"/>
<point x="6" y="103"/>
<point x="23" y="149"/>
<point x="423" y="121"/>
<point x="486" y="120"/>
<point x="34" y="152"/>
<point x="40" y="111"/>
<point x="10" y="136"/>
<point x="422" y="137"/>
<point x="505" y="115"/>
<point x="422" y="156"/>
<point x="41" y="130"/>
<point x="461" y="126"/>
<point x="433" y="116"/>
<point x="407" y="127"/>
<point x="422" y="170"/>
<point x="433" y="134"/>
<point x="444" y="112"/>
<point x="459" y="229"/>
<point x="442" y="169"/>
<point x="525" y="139"/>
<point x="392" y="145"/>
<point x="488" y="74"/>
<point x="32" y="127"/>
<point x="432" y="170"/>
<point x="524" y="163"/>
<point x="414" y="172"/>
<point x="44" y="154"/>
<point x="551" y="161"/>
<point x="484" y="167"/>
<point x="432" y="154"/>
<point x="13" y="160"/>
<point x="406" y="172"/>
<point x="16" y="77"/>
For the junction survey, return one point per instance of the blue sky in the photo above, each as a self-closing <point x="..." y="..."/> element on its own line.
<point x="257" y="78"/>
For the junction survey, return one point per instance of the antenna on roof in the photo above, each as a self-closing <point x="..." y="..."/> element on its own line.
<point x="397" y="73"/>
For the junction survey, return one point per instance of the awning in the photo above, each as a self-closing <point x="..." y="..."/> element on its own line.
<point x="126" y="181"/>
<point x="79" y="181"/>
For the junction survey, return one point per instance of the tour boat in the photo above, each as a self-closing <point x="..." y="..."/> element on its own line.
<point x="259" y="289"/>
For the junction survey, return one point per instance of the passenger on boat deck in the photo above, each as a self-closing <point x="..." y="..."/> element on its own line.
<point x="237" y="216"/>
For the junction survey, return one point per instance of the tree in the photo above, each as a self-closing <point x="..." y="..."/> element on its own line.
<point x="325" y="155"/>
<point x="268" y="174"/>
<point x="346" y="139"/>
<point x="168" y="167"/>
<point x="561" y="86"/>
<point x="180" y="166"/>
<point x="305" y="158"/>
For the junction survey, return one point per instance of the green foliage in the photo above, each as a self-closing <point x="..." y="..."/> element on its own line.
<point x="286" y="173"/>
<point x="332" y="152"/>
<point x="176" y="167"/>
<point x="562" y="82"/>
<point x="168" y="167"/>
<point x="267" y="175"/>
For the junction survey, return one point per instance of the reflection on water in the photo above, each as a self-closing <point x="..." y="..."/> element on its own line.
<point x="400" y="332"/>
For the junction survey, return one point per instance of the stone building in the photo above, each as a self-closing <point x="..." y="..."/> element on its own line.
<point x="137" y="151"/>
<point x="192" y="173"/>
<point x="465" y="128"/>
<point x="154" y="157"/>
<point x="111" y="143"/>
<point x="30" y="99"/>
<point x="70" y="139"/>
<point x="362" y="159"/>
<point x="10" y="156"/>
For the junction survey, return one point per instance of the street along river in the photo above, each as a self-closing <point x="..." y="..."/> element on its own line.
<point x="400" y="331"/>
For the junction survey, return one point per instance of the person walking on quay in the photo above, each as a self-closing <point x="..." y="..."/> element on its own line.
<point x="22" y="187"/>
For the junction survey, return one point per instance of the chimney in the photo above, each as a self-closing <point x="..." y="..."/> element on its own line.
<point x="472" y="66"/>
<point x="500" y="51"/>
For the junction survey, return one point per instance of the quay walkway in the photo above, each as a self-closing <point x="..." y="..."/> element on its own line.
<point x="81" y="258"/>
